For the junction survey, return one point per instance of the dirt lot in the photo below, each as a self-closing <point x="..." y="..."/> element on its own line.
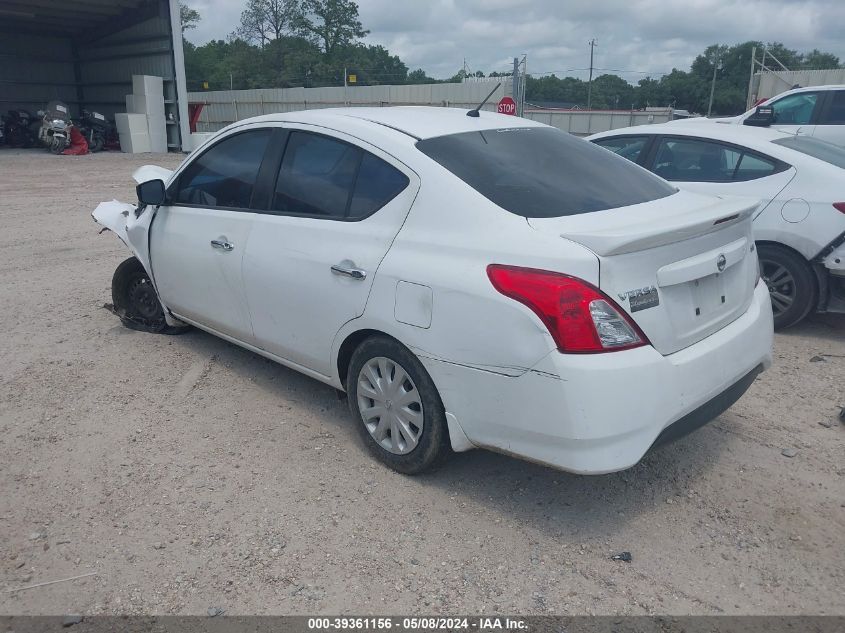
<point x="188" y="473"/>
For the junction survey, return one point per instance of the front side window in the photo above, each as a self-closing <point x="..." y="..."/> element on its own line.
<point x="542" y="172"/>
<point x="326" y="177"/>
<point x="629" y="147"/>
<point x="795" y="109"/>
<point x="225" y="174"/>
<point x="692" y="160"/>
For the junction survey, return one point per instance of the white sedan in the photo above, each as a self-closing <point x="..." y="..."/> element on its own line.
<point x="468" y="281"/>
<point x="799" y="182"/>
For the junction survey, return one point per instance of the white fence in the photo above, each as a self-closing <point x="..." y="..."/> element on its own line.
<point x="226" y="106"/>
<point x="586" y="122"/>
<point x="223" y="107"/>
<point x="771" y="83"/>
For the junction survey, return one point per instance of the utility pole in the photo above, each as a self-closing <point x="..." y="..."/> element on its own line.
<point x="716" y="65"/>
<point x="592" y="44"/>
<point x="345" y="98"/>
<point x="515" y="81"/>
<point x="520" y="105"/>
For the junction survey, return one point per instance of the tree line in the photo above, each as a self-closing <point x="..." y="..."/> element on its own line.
<point x="311" y="43"/>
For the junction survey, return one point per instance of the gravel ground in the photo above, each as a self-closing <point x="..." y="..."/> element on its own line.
<point x="189" y="473"/>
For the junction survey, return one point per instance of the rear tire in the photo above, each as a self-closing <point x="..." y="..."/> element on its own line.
<point x="136" y="302"/>
<point x="97" y="143"/>
<point x="791" y="283"/>
<point x="396" y="407"/>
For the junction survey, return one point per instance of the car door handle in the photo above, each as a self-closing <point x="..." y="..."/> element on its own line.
<point x="222" y="244"/>
<point x="348" y="268"/>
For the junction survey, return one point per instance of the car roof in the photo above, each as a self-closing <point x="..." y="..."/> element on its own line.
<point x="753" y="137"/>
<point x="420" y="122"/>
<point x="809" y="89"/>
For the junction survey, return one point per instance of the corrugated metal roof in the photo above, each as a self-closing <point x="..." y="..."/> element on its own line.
<point x="60" y="17"/>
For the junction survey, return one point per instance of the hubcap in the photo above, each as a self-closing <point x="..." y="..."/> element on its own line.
<point x="390" y="405"/>
<point x="781" y="286"/>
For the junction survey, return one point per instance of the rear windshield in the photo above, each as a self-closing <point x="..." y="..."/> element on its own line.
<point x="816" y="148"/>
<point x="540" y="172"/>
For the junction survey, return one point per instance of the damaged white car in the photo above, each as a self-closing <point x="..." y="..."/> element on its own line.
<point x="468" y="281"/>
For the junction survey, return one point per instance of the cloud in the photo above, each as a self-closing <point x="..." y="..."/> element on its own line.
<point x="640" y="37"/>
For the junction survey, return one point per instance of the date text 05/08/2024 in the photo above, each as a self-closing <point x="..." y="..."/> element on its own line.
<point x="416" y="624"/>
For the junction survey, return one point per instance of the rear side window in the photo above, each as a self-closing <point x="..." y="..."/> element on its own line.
<point x="835" y="114"/>
<point x="225" y="174"/>
<point x="698" y="160"/>
<point x="540" y="172"/>
<point x="753" y="166"/>
<point x="326" y="177"/>
<point x="629" y="147"/>
<point x="377" y="184"/>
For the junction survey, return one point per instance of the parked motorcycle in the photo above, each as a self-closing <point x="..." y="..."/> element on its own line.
<point x="96" y="130"/>
<point x="55" y="127"/>
<point x="18" y="128"/>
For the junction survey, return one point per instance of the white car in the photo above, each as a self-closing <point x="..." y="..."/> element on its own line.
<point x="817" y="111"/>
<point x="799" y="182"/>
<point x="468" y="281"/>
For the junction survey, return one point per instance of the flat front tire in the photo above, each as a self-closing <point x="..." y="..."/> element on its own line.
<point x="791" y="284"/>
<point x="136" y="302"/>
<point x="396" y="407"/>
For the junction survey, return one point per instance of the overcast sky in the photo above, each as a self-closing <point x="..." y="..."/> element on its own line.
<point x="640" y="37"/>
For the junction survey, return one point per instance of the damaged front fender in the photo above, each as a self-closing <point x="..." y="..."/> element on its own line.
<point x="131" y="224"/>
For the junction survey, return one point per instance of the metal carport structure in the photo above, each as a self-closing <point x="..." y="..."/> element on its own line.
<point x="84" y="53"/>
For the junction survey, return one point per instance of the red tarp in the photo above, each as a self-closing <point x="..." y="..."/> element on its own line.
<point x="78" y="144"/>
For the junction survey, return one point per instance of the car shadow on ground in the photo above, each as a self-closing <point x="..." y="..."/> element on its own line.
<point x="824" y="326"/>
<point x="548" y="499"/>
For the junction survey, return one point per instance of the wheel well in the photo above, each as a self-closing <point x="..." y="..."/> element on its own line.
<point x="781" y="245"/>
<point x="348" y="347"/>
<point x="819" y="280"/>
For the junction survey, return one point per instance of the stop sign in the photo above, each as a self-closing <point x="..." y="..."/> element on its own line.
<point x="507" y="106"/>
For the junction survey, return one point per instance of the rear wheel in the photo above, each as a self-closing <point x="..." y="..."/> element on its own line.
<point x="792" y="286"/>
<point x="136" y="301"/>
<point x="397" y="409"/>
<point x="97" y="143"/>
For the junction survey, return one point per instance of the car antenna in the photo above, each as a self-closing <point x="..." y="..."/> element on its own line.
<point x="474" y="112"/>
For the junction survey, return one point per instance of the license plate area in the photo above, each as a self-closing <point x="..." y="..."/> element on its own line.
<point x="709" y="295"/>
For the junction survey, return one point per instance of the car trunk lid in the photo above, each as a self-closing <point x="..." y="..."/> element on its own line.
<point x="682" y="267"/>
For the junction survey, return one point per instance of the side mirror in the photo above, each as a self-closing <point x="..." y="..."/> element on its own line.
<point x="763" y="116"/>
<point x="151" y="192"/>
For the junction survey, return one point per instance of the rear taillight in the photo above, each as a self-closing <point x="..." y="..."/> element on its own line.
<point x="579" y="316"/>
<point x="839" y="206"/>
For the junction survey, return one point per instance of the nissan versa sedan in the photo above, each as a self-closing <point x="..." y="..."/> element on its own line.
<point x="799" y="224"/>
<point x="468" y="281"/>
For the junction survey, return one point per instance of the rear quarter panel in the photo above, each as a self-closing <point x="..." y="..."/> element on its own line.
<point x="451" y="235"/>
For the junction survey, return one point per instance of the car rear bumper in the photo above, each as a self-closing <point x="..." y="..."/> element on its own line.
<point x="601" y="413"/>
